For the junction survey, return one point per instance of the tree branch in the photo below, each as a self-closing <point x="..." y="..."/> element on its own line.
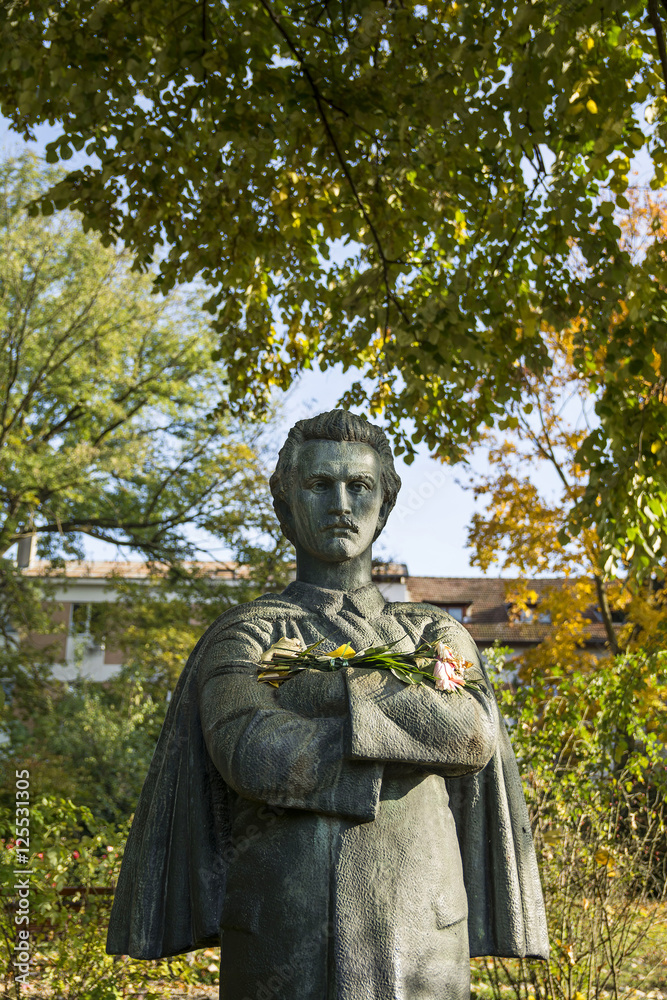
<point x="118" y="423"/>
<point x="522" y="215"/>
<point x="547" y="451"/>
<point x="175" y="471"/>
<point x="656" y="24"/>
<point x="72" y="414"/>
<point x="606" y="615"/>
<point x="320" y="101"/>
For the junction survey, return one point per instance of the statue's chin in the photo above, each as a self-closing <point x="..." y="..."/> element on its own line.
<point x="339" y="549"/>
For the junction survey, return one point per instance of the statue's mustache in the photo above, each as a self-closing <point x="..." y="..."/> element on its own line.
<point x="343" y="522"/>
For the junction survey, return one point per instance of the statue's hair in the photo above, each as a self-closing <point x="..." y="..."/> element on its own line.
<point x="334" y="425"/>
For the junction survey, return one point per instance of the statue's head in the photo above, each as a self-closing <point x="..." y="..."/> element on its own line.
<point x="334" y="485"/>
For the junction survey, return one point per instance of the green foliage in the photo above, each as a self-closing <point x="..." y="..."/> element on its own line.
<point x="96" y="742"/>
<point x="106" y="396"/>
<point x="595" y="781"/>
<point x="462" y="154"/>
<point x="107" y="427"/>
<point x="75" y="864"/>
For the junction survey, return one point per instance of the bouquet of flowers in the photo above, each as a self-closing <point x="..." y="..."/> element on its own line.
<point x="432" y="664"/>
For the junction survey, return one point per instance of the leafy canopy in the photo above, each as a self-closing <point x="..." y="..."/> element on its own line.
<point x="456" y="151"/>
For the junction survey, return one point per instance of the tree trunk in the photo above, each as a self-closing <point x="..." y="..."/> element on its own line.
<point x="606" y="615"/>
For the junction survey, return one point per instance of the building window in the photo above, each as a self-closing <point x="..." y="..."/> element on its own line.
<point x="88" y="620"/>
<point x="532" y="616"/>
<point x="457" y="611"/>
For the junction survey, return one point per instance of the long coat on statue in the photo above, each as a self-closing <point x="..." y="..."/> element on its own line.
<point x="345" y="836"/>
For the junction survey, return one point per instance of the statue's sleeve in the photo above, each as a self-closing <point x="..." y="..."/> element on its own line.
<point x="453" y="732"/>
<point x="293" y="757"/>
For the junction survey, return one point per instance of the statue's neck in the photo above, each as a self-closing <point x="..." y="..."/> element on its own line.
<point x="349" y="575"/>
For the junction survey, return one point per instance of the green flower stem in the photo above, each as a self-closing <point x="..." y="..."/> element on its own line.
<point x="339" y="662"/>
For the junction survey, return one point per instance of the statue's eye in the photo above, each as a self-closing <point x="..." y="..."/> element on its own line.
<point x="319" y="485"/>
<point x="359" y="486"/>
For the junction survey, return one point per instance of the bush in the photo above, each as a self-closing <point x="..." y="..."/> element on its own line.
<point x="590" y="750"/>
<point x="75" y="866"/>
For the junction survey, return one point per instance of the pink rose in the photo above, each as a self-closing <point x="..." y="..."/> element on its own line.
<point x="448" y="669"/>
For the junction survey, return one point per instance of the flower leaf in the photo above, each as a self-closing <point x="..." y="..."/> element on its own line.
<point x="405" y="675"/>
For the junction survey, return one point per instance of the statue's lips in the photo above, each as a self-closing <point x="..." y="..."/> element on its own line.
<point x="344" y="526"/>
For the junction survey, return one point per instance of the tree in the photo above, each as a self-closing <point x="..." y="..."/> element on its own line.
<point x="528" y="529"/>
<point x="524" y="528"/>
<point x="108" y="423"/>
<point x="588" y="726"/>
<point x="107" y="396"/>
<point x="457" y="151"/>
<point x="611" y="513"/>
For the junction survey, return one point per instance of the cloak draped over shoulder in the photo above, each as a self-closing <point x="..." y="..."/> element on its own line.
<point x="350" y="756"/>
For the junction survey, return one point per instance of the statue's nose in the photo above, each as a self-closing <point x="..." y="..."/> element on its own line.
<point x="339" y="501"/>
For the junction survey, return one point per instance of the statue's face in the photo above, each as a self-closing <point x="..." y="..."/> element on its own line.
<point x="336" y="501"/>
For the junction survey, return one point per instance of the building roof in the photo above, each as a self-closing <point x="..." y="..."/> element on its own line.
<point x="128" y="570"/>
<point x="483" y="592"/>
<point x="483" y="600"/>
<point x="486" y="609"/>
<point x="137" y="570"/>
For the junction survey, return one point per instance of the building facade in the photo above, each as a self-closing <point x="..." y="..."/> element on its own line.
<point x="479" y="603"/>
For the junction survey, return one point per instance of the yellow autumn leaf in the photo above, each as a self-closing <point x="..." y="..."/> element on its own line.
<point x="591" y="106"/>
<point x="345" y="650"/>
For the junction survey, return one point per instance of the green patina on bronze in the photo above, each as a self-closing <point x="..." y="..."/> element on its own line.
<point x="345" y="836"/>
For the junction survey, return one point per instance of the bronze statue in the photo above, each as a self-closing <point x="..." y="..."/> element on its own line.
<point x="344" y="836"/>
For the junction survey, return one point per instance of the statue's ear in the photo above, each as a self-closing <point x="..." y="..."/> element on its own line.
<point x="286" y="519"/>
<point x="385" y="511"/>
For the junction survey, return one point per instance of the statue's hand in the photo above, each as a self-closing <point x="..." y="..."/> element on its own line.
<point x="314" y="694"/>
